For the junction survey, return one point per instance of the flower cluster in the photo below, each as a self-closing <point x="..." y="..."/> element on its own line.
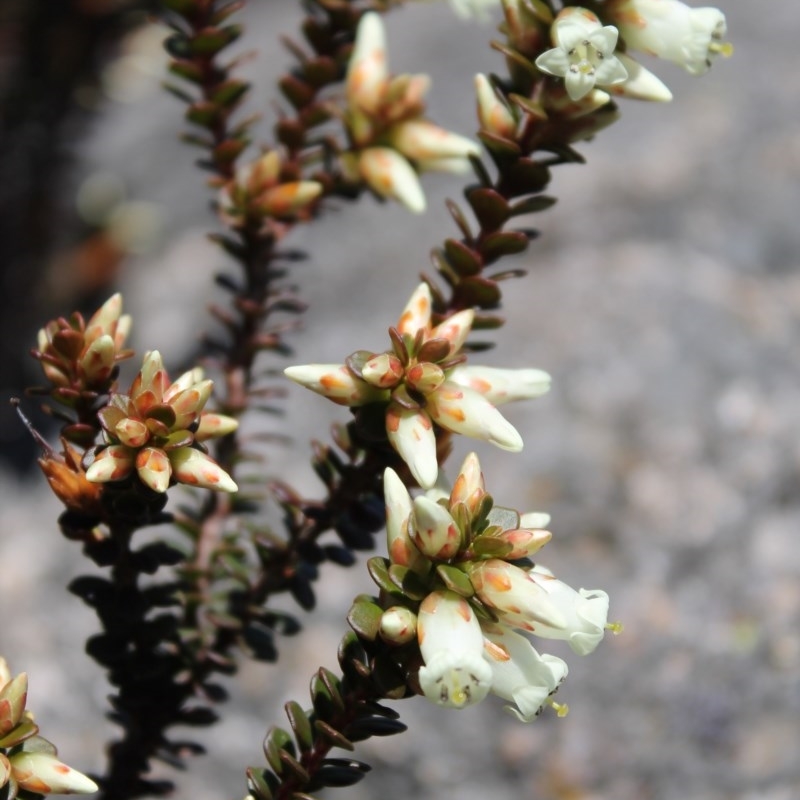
<point x="156" y="431"/>
<point x="390" y="140"/>
<point x="482" y="595"/>
<point x="78" y="355"/>
<point x="423" y="380"/>
<point x="259" y="191"/>
<point x="585" y="54"/>
<point x="28" y="762"/>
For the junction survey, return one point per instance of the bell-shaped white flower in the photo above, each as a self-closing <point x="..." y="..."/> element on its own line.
<point x="669" y="29"/>
<point x="455" y="674"/>
<point x="519" y="673"/>
<point x="583" y="54"/>
<point x="585" y="612"/>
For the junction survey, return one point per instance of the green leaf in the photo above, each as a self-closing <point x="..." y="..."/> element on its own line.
<point x="341" y="772"/>
<point x="365" y="727"/>
<point x="455" y="580"/>
<point x="330" y="734"/>
<point x="296" y="91"/>
<point x="301" y="725"/>
<point x="408" y="581"/>
<point x="507" y="519"/>
<point x="203" y="113"/>
<point x="458" y="216"/>
<point x="503" y="243"/>
<point x="230" y="92"/>
<point x="292" y="765"/>
<point x="276" y="741"/>
<point x="462" y="258"/>
<point x="488" y="547"/>
<point x="364" y="617"/>
<point x="177" y="91"/>
<point x="490" y="208"/>
<point x="258" y="783"/>
<point x="530" y="205"/>
<point x="479" y="291"/>
<point x="378" y="569"/>
<point x="209" y="41"/>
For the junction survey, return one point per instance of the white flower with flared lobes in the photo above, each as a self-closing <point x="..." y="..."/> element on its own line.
<point x="392" y="141"/>
<point x="583" y="54"/>
<point x="519" y="673"/>
<point x="585" y="612"/>
<point x="418" y="392"/>
<point x="455" y="674"/>
<point x="669" y="29"/>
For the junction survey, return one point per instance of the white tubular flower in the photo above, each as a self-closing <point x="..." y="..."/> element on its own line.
<point x="519" y="673"/>
<point x="669" y="29"/>
<point x="455" y="674"/>
<point x="585" y="612"/>
<point x="583" y="54"/>
<point x="517" y="596"/>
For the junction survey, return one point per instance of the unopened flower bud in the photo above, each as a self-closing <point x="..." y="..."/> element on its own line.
<point x="469" y="487"/>
<point x="434" y="531"/>
<point x="398" y="625"/>
<point x="425" y="377"/>
<point x="383" y="370"/>
<point x="401" y="549"/>
<point x="43" y="773"/>
<point x="521" y="601"/>
<point x="494" y="115"/>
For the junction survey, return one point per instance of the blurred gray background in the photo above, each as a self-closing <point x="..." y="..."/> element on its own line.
<point x="664" y="299"/>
